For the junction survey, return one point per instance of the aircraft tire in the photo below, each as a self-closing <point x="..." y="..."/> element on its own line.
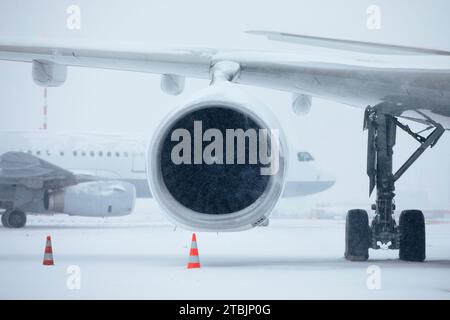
<point x="16" y="219"/>
<point x="412" y="236"/>
<point x="357" y="235"/>
<point x="5" y="219"/>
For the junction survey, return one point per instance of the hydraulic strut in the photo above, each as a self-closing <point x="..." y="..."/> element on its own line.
<point x="381" y="141"/>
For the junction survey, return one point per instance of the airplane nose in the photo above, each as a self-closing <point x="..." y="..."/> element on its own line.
<point x="326" y="177"/>
<point x="327" y="184"/>
<point x="327" y="180"/>
<point x="307" y="178"/>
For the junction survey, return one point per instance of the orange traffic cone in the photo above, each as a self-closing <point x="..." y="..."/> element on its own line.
<point x="194" y="260"/>
<point x="48" y="255"/>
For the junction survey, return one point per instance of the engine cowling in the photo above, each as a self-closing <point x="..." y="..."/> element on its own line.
<point x="202" y="167"/>
<point x="93" y="199"/>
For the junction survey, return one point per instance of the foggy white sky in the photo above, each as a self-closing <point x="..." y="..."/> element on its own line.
<point x="113" y="101"/>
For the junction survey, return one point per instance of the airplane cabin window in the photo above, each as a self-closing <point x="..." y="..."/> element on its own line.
<point x="92" y="153"/>
<point x="61" y="153"/>
<point x="108" y="154"/>
<point x="83" y="153"/>
<point x="100" y="153"/>
<point x="117" y="154"/>
<point x="74" y="153"/>
<point x="38" y="153"/>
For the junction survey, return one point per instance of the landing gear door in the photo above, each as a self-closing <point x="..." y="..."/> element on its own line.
<point x="138" y="164"/>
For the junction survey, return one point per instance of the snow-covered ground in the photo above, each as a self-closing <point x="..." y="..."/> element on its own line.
<point x="142" y="256"/>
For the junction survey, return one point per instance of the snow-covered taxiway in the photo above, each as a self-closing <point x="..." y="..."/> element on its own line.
<point x="142" y="256"/>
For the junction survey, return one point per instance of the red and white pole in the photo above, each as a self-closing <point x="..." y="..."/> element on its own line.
<point x="44" y="126"/>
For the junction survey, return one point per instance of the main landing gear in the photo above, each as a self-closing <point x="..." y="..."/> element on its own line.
<point x="409" y="235"/>
<point x="14" y="219"/>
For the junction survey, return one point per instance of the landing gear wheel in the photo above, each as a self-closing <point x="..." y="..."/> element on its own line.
<point x="14" y="219"/>
<point x="357" y="235"/>
<point x="5" y="219"/>
<point x="412" y="235"/>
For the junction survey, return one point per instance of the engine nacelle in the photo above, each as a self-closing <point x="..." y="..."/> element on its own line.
<point x="93" y="199"/>
<point x="48" y="74"/>
<point x="219" y="162"/>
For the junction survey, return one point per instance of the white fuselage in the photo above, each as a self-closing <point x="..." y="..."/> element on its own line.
<point x="124" y="158"/>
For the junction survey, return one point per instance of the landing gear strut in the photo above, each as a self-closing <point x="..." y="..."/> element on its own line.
<point x="14" y="219"/>
<point x="409" y="236"/>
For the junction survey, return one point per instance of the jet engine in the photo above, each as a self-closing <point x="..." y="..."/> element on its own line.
<point x="93" y="199"/>
<point x="219" y="162"/>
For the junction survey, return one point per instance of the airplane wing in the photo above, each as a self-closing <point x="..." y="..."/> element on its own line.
<point x="186" y="62"/>
<point x="404" y="84"/>
<point x="348" y="45"/>
<point x="24" y="169"/>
